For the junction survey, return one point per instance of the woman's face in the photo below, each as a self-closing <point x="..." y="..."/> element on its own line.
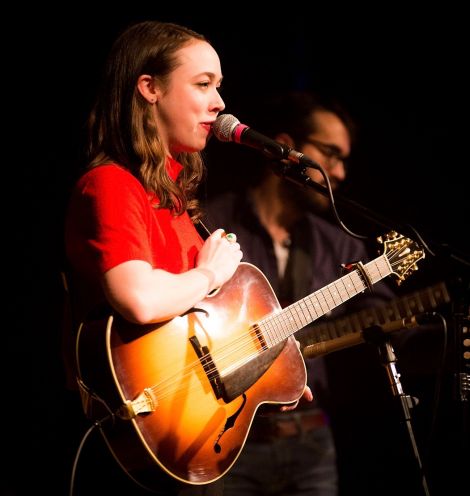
<point x="187" y="108"/>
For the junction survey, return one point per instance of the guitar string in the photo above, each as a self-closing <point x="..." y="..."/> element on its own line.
<point x="242" y="343"/>
<point x="281" y="321"/>
<point x="197" y="364"/>
<point x="228" y="347"/>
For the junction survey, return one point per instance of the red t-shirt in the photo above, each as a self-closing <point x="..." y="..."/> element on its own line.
<point x="112" y="219"/>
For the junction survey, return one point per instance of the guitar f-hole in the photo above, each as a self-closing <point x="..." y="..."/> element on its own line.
<point x="228" y="425"/>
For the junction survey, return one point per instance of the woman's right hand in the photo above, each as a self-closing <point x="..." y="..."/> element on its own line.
<point x="220" y="256"/>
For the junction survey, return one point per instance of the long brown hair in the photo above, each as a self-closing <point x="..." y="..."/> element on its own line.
<point x="121" y="125"/>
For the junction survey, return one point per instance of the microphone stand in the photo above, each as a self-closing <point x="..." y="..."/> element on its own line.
<point x="375" y="335"/>
<point x="295" y="172"/>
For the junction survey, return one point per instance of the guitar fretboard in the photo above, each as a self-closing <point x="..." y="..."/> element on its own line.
<point x="406" y="306"/>
<point x="279" y="326"/>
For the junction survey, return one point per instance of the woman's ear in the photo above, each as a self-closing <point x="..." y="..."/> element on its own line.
<point x="285" y="139"/>
<point x="147" y="88"/>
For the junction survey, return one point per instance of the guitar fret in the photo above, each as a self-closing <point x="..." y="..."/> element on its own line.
<point x="359" y="281"/>
<point x="300" y="316"/>
<point x="371" y="273"/>
<point x="335" y="296"/>
<point x="378" y="269"/>
<point x="277" y="333"/>
<point x="345" y="288"/>
<point x="303" y="304"/>
<point x="274" y="330"/>
<point x="268" y="329"/>
<point x="316" y="306"/>
<point x="289" y="324"/>
<point x="320" y="293"/>
<point x="351" y="290"/>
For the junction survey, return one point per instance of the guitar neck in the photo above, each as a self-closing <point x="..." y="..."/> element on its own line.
<point x="406" y="306"/>
<point x="277" y="327"/>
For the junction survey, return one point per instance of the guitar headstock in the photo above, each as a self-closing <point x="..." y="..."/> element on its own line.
<point x="402" y="253"/>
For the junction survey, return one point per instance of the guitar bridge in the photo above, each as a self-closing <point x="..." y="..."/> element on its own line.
<point x="209" y="367"/>
<point x="146" y="402"/>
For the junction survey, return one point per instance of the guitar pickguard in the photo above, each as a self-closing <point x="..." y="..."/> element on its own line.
<point x="240" y="380"/>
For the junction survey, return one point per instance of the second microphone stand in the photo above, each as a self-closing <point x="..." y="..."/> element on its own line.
<point x="375" y="335"/>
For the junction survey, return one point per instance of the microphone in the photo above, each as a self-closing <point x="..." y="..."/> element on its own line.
<point x="228" y="128"/>
<point x="369" y="334"/>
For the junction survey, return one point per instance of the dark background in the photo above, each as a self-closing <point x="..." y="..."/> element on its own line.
<point x="403" y="76"/>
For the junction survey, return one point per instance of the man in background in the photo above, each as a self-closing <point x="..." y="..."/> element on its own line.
<point x="282" y="229"/>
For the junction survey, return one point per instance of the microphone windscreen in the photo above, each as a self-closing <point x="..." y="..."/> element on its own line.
<point x="224" y="126"/>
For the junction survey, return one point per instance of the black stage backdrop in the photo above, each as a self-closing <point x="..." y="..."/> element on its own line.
<point x="403" y="77"/>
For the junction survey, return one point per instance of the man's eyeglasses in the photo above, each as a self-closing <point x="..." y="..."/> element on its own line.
<point x="331" y="152"/>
